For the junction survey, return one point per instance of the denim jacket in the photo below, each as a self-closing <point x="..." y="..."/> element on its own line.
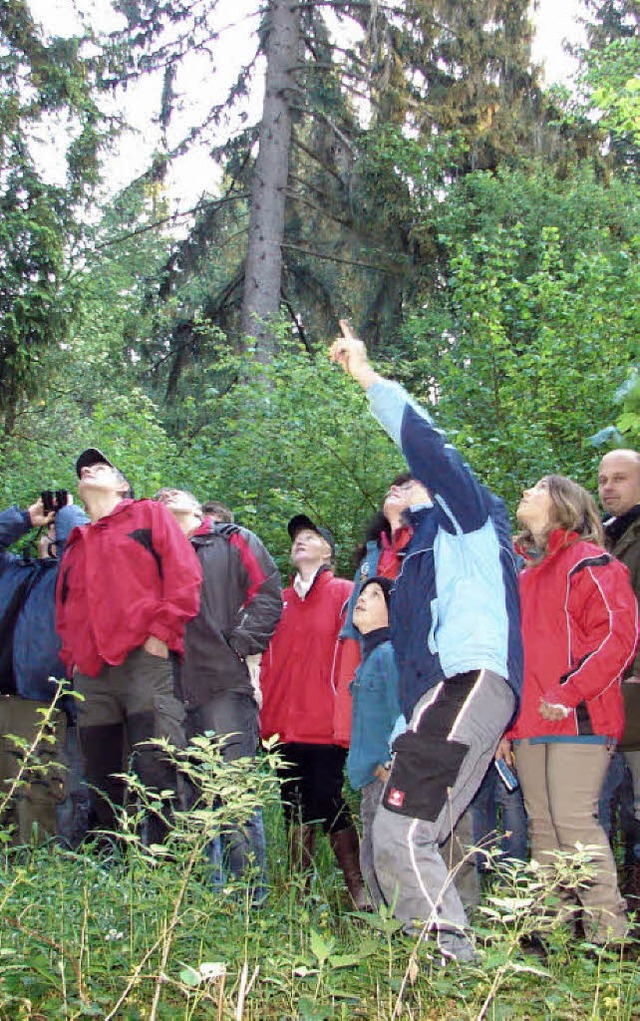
<point x="376" y="716"/>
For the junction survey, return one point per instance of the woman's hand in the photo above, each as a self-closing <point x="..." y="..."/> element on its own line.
<point x="553" y="713"/>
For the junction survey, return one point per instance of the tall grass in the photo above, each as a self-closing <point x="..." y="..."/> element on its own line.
<point x="142" y="933"/>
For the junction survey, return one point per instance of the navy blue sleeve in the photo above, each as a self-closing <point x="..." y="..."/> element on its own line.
<point x="432" y="461"/>
<point x="14" y="523"/>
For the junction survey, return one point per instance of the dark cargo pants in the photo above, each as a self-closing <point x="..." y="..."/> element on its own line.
<point x="123" y="707"/>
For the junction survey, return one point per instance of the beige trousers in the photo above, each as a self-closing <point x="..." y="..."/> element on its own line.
<point x="561" y="783"/>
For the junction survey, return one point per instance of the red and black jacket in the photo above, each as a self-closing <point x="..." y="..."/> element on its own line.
<point x="240" y="606"/>
<point x="579" y="624"/>
<point x="125" y="577"/>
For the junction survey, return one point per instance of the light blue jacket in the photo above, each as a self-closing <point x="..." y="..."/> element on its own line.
<point x="455" y="606"/>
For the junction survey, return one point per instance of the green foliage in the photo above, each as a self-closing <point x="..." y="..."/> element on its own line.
<point x="294" y="436"/>
<point x="143" y="932"/>
<point x="615" y="82"/>
<point x="536" y="327"/>
<point x="145" y="935"/>
<point x="42" y="84"/>
<point x="610" y="80"/>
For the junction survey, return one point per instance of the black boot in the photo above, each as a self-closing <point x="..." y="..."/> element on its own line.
<point x="346" y="847"/>
<point x="302" y="840"/>
<point x="631" y="886"/>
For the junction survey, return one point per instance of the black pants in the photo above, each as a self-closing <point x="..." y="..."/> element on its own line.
<point x="312" y="785"/>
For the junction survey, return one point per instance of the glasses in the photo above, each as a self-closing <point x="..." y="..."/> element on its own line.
<point x="402" y="488"/>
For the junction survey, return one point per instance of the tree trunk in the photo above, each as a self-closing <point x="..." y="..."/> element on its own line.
<point x="263" y="266"/>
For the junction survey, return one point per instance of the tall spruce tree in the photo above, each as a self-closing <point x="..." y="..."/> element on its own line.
<point x="450" y="82"/>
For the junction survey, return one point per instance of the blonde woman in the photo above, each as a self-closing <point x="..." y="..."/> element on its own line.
<point x="579" y="628"/>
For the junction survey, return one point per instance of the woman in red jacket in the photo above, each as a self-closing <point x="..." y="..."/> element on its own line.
<point x="580" y="629"/>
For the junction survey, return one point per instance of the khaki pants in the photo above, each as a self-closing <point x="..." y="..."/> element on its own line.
<point x="561" y="783"/>
<point x="42" y="787"/>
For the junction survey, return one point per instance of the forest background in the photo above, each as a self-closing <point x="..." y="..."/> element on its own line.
<point x="408" y="171"/>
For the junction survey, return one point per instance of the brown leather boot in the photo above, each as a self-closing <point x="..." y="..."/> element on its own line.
<point x="346" y="847"/>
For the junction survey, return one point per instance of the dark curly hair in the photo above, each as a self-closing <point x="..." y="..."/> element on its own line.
<point x="378" y="524"/>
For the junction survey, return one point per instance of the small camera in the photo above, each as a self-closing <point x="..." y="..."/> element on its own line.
<point x="54" y="499"/>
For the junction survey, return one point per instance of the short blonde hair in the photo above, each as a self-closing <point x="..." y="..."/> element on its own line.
<point x="574" y="510"/>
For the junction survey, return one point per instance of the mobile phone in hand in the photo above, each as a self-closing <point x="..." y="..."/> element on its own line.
<point x="508" y="777"/>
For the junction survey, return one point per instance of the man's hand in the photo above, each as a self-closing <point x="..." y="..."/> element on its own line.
<point x="155" y="647"/>
<point x="351" y="354"/>
<point x="37" y="514"/>
<point x="505" y="751"/>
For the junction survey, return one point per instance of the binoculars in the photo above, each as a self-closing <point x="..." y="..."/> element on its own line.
<point x="54" y="499"/>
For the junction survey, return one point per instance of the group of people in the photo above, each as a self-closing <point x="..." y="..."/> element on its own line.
<point x="452" y="648"/>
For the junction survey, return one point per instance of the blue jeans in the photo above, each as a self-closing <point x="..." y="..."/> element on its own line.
<point x="617" y="793"/>
<point x="243" y="847"/>
<point x="499" y="813"/>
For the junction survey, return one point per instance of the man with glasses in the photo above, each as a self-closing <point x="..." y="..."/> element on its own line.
<point x="455" y="629"/>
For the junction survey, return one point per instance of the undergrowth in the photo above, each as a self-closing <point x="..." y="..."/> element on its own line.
<point x="143" y="933"/>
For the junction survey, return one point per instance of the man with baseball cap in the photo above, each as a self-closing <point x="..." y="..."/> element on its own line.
<point x="128" y="583"/>
<point x="298" y="680"/>
<point x="92" y="456"/>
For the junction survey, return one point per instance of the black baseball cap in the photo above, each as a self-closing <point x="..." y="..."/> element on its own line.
<point x="300" y="521"/>
<point x="94" y="456"/>
<point x="385" y="584"/>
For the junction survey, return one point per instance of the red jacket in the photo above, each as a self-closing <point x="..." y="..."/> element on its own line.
<point x="125" y="577"/>
<point x="579" y="625"/>
<point x="299" y="669"/>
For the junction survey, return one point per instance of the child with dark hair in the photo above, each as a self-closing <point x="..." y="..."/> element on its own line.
<point x="377" y="716"/>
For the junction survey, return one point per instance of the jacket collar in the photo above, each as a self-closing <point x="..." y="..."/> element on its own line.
<point x="300" y="589"/>
<point x="616" y="528"/>
<point x="205" y="528"/>
<point x="559" y="538"/>
<point x="78" y="531"/>
<point x="373" y="640"/>
<point x="399" y="540"/>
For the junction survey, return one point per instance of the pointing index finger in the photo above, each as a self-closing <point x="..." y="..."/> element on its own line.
<point x="347" y="332"/>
